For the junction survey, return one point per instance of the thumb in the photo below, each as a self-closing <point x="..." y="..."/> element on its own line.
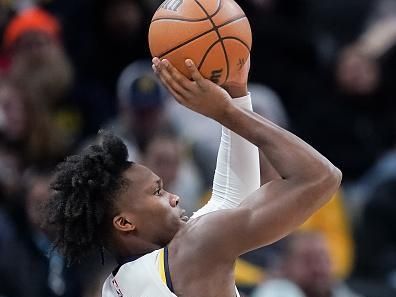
<point x="195" y="74"/>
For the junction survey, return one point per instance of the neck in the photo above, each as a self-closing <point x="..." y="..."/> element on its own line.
<point x="127" y="248"/>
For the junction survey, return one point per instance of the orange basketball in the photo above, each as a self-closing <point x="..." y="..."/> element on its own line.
<point x="215" y="34"/>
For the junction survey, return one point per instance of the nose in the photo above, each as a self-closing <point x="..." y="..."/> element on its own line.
<point x="173" y="200"/>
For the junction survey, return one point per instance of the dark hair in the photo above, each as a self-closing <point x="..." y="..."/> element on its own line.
<point x="83" y="199"/>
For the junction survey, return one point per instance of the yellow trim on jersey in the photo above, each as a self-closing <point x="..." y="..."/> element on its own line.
<point x="248" y="274"/>
<point x="161" y="266"/>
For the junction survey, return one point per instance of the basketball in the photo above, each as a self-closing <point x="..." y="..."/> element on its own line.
<point x="216" y="35"/>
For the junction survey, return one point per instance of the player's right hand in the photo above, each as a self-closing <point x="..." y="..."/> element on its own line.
<point x="198" y="94"/>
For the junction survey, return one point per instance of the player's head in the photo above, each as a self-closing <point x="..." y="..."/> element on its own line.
<point x="102" y="200"/>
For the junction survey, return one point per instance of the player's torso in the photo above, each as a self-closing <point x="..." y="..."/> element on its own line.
<point x="196" y="274"/>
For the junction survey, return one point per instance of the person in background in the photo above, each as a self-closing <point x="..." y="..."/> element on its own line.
<point x="38" y="271"/>
<point x="304" y="270"/>
<point x="25" y="127"/>
<point x="33" y="42"/>
<point x="38" y="62"/>
<point x="141" y="104"/>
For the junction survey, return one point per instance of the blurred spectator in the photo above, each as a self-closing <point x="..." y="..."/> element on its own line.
<point x="25" y="126"/>
<point x="296" y="54"/>
<point x="32" y="248"/>
<point x="337" y="23"/>
<point x="37" y="58"/>
<point x="37" y="61"/>
<point x="351" y="118"/>
<point x="142" y="102"/>
<point x="102" y="38"/>
<point x="357" y="73"/>
<point x="333" y="223"/>
<point x="304" y="270"/>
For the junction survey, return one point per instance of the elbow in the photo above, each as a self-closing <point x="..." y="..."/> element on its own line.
<point x="334" y="176"/>
<point x="337" y="176"/>
<point x="330" y="181"/>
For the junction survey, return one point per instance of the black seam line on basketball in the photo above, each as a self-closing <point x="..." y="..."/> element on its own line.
<point x="236" y="38"/>
<point x="179" y="19"/>
<point x="200" y="35"/>
<point x="219" y="36"/>
<point x="192" y="20"/>
<point x="206" y="53"/>
<point x="216" y="42"/>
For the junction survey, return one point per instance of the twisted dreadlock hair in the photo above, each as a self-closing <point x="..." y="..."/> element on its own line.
<point x="84" y="188"/>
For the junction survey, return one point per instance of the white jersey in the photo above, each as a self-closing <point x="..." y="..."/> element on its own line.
<point x="146" y="276"/>
<point x="235" y="179"/>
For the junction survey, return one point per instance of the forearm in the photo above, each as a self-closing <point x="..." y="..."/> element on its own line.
<point x="266" y="170"/>
<point x="289" y="155"/>
<point x="237" y="172"/>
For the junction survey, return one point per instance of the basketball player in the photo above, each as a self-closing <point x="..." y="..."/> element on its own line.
<point x="102" y="200"/>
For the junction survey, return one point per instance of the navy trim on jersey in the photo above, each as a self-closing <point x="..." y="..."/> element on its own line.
<point x="167" y="272"/>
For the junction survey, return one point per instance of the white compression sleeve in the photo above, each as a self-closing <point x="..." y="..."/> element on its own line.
<point x="237" y="170"/>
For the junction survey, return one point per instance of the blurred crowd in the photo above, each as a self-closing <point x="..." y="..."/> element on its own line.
<point x="324" y="69"/>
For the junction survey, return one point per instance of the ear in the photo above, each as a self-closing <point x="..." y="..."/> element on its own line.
<point x="123" y="223"/>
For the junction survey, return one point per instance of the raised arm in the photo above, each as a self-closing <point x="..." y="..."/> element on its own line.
<point x="237" y="173"/>
<point x="277" y="208"/>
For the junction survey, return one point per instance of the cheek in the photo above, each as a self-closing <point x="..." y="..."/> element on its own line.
<point x="166" y="215"/>
<point x="157" y="209"/>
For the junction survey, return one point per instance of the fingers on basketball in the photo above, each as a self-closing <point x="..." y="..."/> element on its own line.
<point x="194" y="72"/>
<point x="179" y="78"/>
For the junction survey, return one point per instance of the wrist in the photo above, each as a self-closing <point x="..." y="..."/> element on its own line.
<point x="237" y="91"/>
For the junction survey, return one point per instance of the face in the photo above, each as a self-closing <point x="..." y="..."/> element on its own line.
<point x="123" y="19"/>
<point x="308" y="264"/>
<point x="12" y="113"/>
<point x="34" y="44"/>
<point x="356" y="73"/>
<point x="146" y="209"/>
<point x="41" y="65"/>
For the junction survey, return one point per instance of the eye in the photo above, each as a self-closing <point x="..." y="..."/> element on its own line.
<point x="158" y="192"/>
